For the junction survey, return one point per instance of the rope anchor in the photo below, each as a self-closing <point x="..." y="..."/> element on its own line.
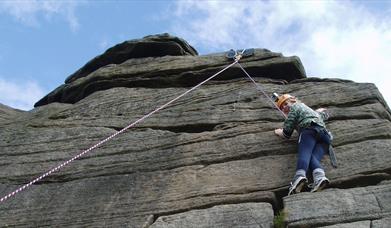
<point x="238" y="54"/>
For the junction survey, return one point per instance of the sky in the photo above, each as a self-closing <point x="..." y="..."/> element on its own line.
<point x="43" y="42"/>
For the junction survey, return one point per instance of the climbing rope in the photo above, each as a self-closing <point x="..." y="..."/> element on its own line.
<point x="110" y="137"/>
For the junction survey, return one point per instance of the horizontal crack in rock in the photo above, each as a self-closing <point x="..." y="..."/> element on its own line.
<point x="196" y="128"/>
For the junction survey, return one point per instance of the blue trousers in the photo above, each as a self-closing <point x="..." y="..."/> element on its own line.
<point x="312" y="146"/>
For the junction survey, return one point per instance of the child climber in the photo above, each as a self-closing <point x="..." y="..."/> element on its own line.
<point x="314" y="140"/>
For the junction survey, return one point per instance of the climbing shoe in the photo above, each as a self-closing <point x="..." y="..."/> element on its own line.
<point x="319" y="184"/>
<point x="297" y="185"/>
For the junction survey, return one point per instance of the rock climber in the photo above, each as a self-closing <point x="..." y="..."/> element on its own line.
<point x="314" y="141"/>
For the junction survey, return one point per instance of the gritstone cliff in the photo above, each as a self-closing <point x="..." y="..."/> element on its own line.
<point x="211" y="159"/>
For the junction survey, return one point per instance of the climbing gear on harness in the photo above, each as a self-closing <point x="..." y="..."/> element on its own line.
<point x="333" y="158"/>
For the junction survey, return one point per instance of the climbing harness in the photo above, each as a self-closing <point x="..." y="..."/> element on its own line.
<point x="235" y="55"/>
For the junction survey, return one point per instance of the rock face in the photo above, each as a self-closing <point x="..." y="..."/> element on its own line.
<point x="149" y="46"/>
<point x="232" y="215"/>
<point x="8" y="114"/>
<point x="210" y="159"/>
<point x="341" y="206"/>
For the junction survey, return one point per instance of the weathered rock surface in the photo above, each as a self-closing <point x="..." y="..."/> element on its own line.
<point x="233" y="215"/>
<point x="205" y="154"/>
<point x="361" y="224"/>
<point x="381" y="223"/>
<point x="8" y="114"/>
<point x="335" y="206"/>
<point x="149" y="46"/>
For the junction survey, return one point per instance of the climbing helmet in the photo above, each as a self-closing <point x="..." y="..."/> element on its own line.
<point x="280" y="100"/>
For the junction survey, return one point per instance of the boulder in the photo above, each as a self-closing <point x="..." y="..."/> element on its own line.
<point x="149" y="46"/>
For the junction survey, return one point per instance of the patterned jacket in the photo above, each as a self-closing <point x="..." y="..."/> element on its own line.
<point x="301" y="116"/>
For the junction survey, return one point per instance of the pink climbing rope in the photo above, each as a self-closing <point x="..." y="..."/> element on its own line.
<point x="110" y="137"/>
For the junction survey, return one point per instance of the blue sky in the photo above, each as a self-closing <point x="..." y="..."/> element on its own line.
<point x="43" y="42"/>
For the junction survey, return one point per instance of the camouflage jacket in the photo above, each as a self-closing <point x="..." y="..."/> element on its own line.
<point x="301" y="116"/>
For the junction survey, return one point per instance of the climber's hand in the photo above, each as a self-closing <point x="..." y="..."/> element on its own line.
<point x="279" y="132"/>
